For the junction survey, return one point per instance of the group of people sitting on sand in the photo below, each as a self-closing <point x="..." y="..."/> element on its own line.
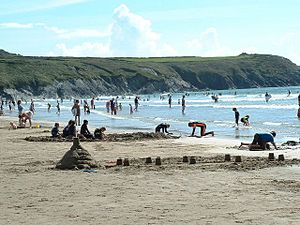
<point x="70" y="131"/>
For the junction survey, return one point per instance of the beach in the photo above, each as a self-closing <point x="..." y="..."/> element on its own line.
<point x="33" y="192"/>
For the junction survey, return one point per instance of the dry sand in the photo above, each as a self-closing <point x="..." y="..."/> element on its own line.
<point x="210" y="192"/>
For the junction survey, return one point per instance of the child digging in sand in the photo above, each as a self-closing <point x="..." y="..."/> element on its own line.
<point x="12" y="126"/>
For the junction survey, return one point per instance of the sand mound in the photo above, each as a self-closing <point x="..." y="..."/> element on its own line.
<point x="108" y="137"/>
<point x="77" y="157"/>
<point x="136" y="136"/>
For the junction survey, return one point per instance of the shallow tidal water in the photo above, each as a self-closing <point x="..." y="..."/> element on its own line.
<point x="279" y="114"/>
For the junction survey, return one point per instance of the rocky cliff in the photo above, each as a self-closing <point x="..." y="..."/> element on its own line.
<point x="68" y="76"/>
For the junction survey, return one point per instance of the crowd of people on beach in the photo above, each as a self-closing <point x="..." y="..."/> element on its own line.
<point x="260" y="140"/>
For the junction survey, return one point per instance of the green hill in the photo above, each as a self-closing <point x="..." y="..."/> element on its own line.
<point x="70" y="76"/>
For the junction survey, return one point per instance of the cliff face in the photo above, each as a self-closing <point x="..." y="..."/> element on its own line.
<point x="65" y="77"/>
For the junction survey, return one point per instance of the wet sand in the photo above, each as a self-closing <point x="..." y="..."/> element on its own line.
<point x="209" y="192"/>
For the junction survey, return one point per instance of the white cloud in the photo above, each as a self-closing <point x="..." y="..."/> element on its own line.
<point x="76" y="33"/>
<point x="61" y="33"/>
<point x="132" y="35"/>
<point x="207" y="44"/>
<point x="128" y="35"/>
<point x="16" y="7"/>
<point x="16" y="25"/>
<point x="84" y="49"/>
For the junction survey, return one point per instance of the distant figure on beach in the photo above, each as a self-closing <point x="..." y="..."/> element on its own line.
<point x="85" y="131"/>
<point x="113" y="109"/>
<point x="245" y="120"/>
<point x="170" y="101"/>
<point x="58" y="108"/>
<point x="136" y="103"/>
<point x="178" y="101"/>
<point x="31" y="107"/>
<point x="215" y="97"/>
<point x="10" y="106"/>
<point x="55" y="131"/>
<point x="49" y="107"/>
<point x="99" y="133"/>
<point x="20" y="107"/>
<point x="93" y="103"/>
<point x="267" y="96"/>
<point x="107" y="105"/>
<point x="202" y="126"/>
<point x="261" y="140"/>
<point x="76" y="112"/>
<point x="130" y="109"/>
<point x="120" y="106"/>
<point x="289" y="93"/>
<point x="183" y="104"/>
<point x="163" y="127"/>
<point x="298" y="114"/>
<point x="85" y="106"/>
<point x="70" y="130"/>
<point x="236" y="116"/>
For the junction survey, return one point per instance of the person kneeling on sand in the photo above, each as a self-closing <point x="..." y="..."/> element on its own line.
<point x="162" y="128"/>
<point x="70" y="130"/>
<point x="84" y="131"/>
<point x="202" y="126"/>
<point x="260" y="141"/>
<point x="55" y="131"/>
<point x="99" y="133"/>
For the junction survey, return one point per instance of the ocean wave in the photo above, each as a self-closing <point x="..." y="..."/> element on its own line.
<point x="272" y="124"/>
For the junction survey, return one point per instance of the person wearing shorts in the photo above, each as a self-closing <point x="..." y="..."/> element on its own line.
<point x="261" y="140"/>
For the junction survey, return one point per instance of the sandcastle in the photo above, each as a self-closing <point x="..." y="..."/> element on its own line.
<point x="76" y="157"/>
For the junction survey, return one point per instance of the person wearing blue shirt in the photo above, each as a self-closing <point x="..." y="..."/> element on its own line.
<point x="55" y="131"/>
<point x="261" y="140"/>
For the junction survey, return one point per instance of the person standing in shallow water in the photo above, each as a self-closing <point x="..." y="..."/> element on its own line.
<point x="170" y="101"/>
<point x="136" y="103"/>
<point x="58" y="108"/>
<point x="20" y="107"/>
<point x="183" y="104"/>
<point x="236" y="115"/>
<point x="76" y="112"/>
<point x="298" y="114"/>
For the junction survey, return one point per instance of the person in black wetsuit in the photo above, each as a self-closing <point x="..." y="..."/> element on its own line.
<point x="162" y="128"/>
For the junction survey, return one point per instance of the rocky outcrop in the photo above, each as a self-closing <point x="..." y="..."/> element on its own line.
<point x="84" y="77"/>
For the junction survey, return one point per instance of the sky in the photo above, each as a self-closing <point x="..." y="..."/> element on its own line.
<point x="144" y="28"/>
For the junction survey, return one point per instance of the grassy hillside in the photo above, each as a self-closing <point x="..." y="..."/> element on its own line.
<point x="68" y="76"/>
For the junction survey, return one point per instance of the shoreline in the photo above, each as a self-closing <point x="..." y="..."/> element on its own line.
<point x="221" y="145"/>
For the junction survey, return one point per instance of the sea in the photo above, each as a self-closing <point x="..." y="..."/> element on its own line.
<point x="278" y="114"/>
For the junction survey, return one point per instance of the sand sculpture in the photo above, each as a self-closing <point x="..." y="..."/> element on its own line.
<point x="77" y="157"/>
